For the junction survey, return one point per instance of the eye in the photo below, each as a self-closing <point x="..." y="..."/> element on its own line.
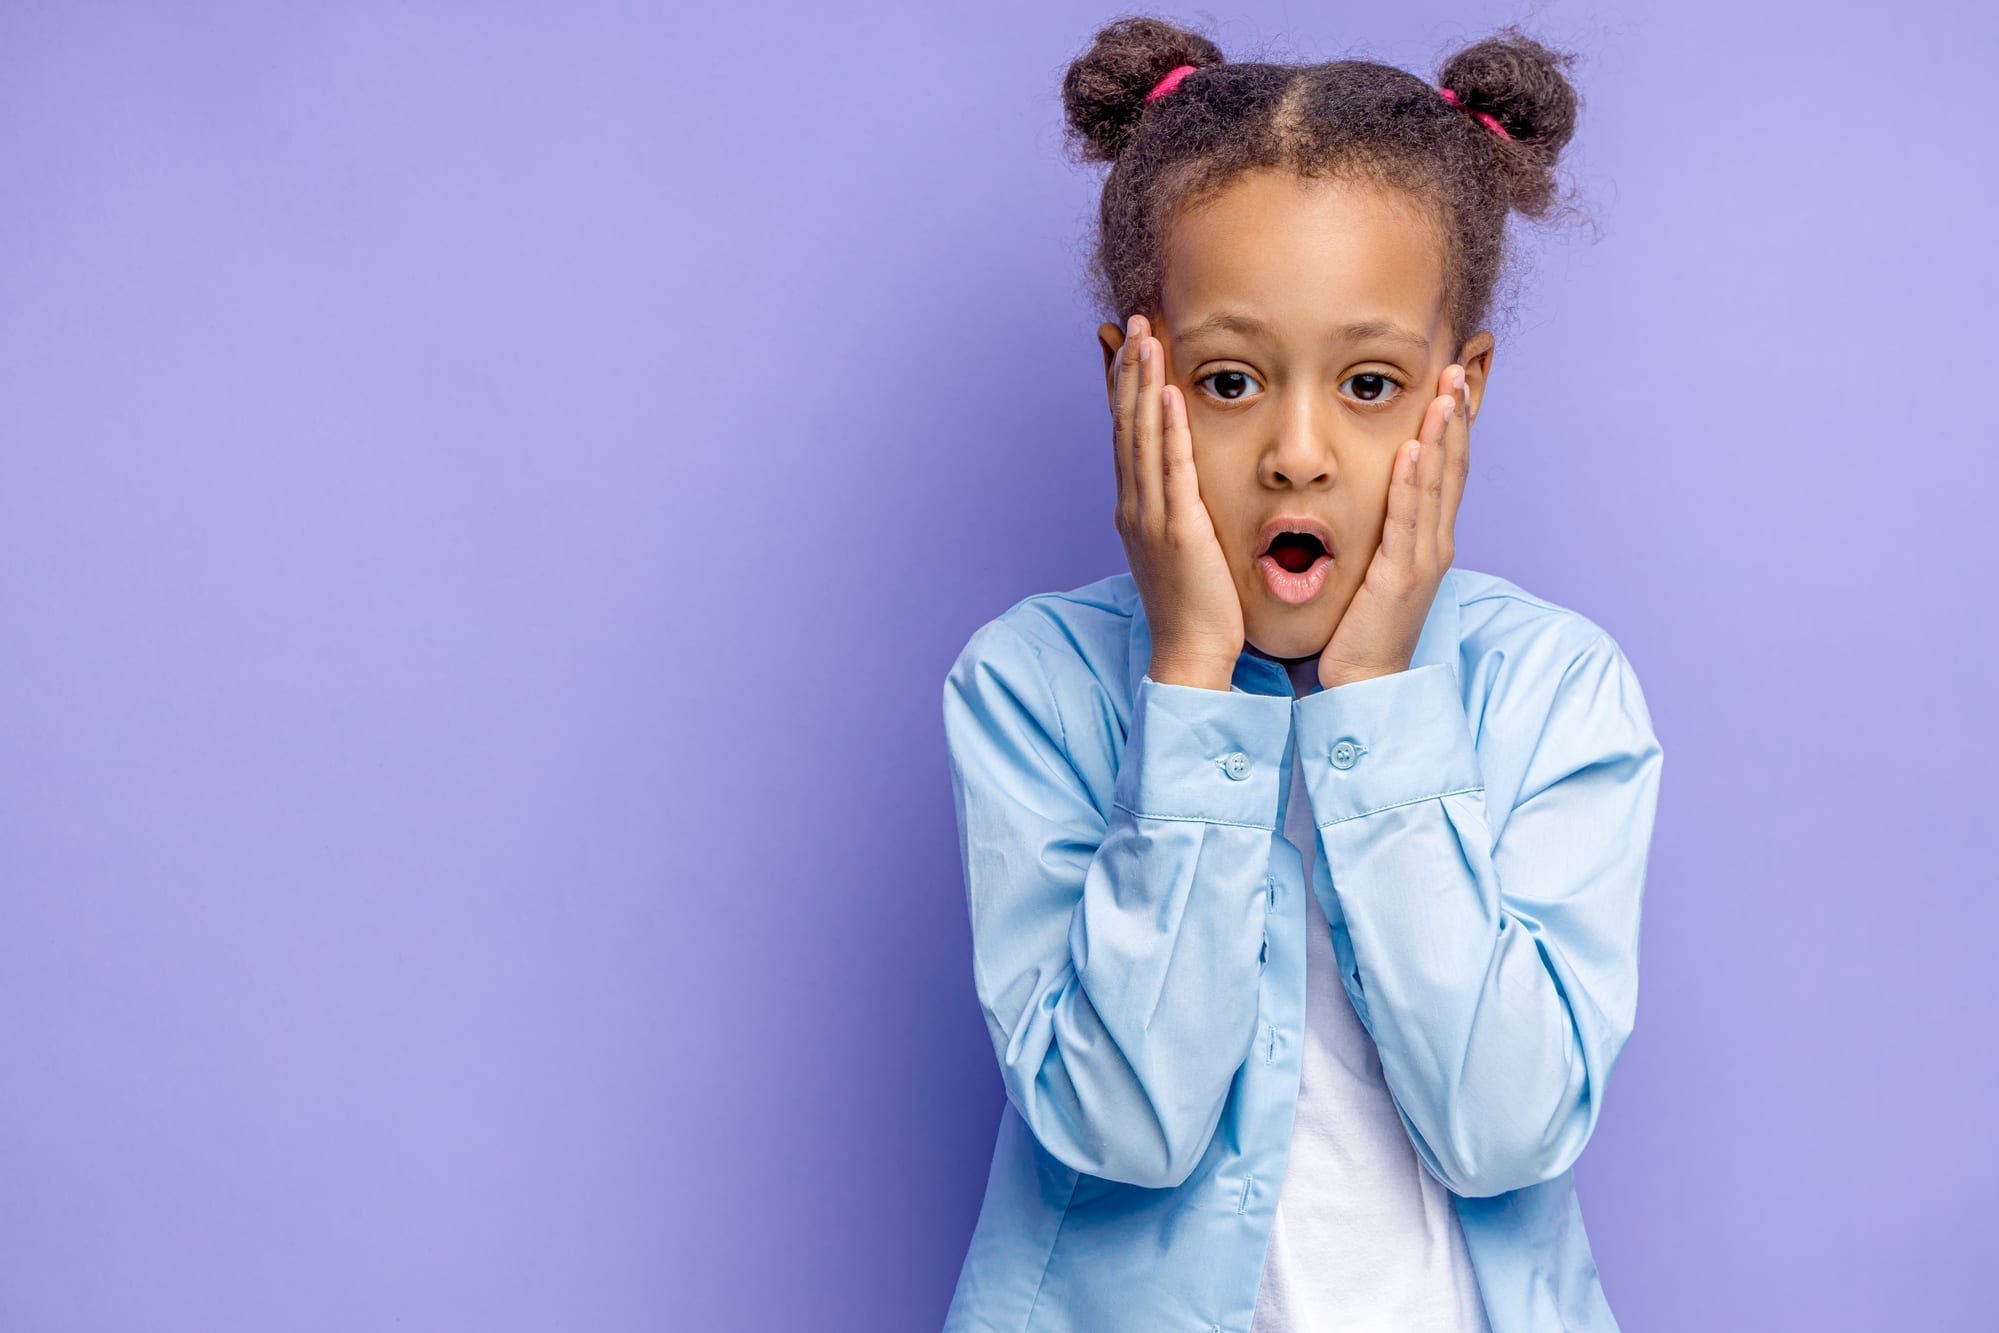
<point x="1373" y="384"/>
<point x="1235" y="377"/>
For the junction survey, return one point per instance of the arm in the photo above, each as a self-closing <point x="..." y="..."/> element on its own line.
<point x="1115" y="953"/>
<point x="1499" y="982"/>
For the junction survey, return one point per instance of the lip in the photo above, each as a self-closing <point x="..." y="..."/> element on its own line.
<point x="1298" y="588"/>
<point x="1293" y="523"/>
<point x="1308" y="582"/>
<point x="1285" y="586"/>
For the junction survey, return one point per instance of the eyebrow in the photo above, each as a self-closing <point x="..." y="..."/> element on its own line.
<point x="1357" y="330"/>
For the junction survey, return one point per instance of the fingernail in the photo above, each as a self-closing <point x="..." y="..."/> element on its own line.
<point x="1145" y="349"/>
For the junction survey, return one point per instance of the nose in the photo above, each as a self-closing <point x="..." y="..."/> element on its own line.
<point x="1301" y="452"/>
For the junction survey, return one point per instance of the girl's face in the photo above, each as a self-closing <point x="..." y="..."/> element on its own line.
<point x="1303" y="322"/>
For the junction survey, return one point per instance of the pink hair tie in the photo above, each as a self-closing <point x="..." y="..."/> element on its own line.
<point x="1491" y="122"/>
<point x="1170" y="82"/>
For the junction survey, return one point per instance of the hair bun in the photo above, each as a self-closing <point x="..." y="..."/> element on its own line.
<point x="1524" y="86"/>
<point x="1104" y="89"/>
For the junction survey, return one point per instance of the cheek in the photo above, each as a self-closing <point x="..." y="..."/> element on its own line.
<point x="1387" y="433"/>
<point x="1372" y="468"/>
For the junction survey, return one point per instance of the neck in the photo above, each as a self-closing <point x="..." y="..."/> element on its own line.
<point x="1304" y="671"/>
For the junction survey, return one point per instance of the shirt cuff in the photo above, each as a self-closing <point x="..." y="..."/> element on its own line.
<point x="1385" y="741"/>
<point x="1201" y="754"/>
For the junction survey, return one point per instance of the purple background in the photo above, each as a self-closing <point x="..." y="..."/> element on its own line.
<point x="489" y="495"/>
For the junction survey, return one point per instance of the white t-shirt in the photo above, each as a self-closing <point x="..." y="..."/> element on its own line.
<point x="1365" y="1238"/>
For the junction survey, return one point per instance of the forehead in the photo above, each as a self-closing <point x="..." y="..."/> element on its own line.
<point x="1294" y="250"/>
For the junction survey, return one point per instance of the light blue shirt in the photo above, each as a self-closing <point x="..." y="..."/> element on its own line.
<point x="1138" y="944"/>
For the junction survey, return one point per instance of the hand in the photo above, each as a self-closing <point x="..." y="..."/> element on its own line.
<point x="1377" y="635"/>
<point x="1183" y="578"/>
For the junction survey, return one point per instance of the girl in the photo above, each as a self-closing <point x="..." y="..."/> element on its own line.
<point x="1304" y="869"/>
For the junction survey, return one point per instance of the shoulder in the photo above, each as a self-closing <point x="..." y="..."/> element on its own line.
<point x="1506" y="631"/>
<point x="1535" y="673"/>
<point x="1044" y="684"/>
<point x="1075" y="636"/>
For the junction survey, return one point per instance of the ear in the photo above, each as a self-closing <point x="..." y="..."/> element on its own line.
<point x="1111" y="336"/>
<point x="1476" y="358"/>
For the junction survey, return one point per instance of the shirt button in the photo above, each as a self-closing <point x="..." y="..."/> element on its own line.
<point x="1236" y="765"/>
<point x="1344" y="754"/>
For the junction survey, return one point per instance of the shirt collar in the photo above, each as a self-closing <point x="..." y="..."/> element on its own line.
<point x="1256" y="674"/>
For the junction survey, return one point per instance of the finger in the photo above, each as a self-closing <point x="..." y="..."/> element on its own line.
<point x="1117" y="430"/>
<point x="1398" y="528"/>
<point x="1145" y="438"/>
<point x="1430" y="471"/>
<point x="1121" y="442"/>
<point x="1176" y="461"/>
<point x="1459" y="436"/>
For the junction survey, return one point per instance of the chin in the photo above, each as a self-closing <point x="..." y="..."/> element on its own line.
<point x="1290" y="630"/>
<point x="1301" y="639"/>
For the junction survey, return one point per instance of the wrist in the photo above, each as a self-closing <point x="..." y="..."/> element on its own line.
<point x="1201" y="675"/>
<point x="1334" y="681"/>
<point x="1331" y="677"/>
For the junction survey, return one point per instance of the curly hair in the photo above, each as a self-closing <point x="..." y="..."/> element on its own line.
<point x="1345" y="119"/>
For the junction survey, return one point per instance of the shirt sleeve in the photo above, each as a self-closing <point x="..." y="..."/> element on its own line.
<point x="1498" y="980"/>
<point x="1115" y="947"/>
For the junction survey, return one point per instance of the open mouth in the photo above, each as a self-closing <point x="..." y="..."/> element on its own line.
<point x="1296" y="551"/>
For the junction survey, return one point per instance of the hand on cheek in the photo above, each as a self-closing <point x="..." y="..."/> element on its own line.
<point x="1377" y="634"/>
<point x="1176" y="558"/>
